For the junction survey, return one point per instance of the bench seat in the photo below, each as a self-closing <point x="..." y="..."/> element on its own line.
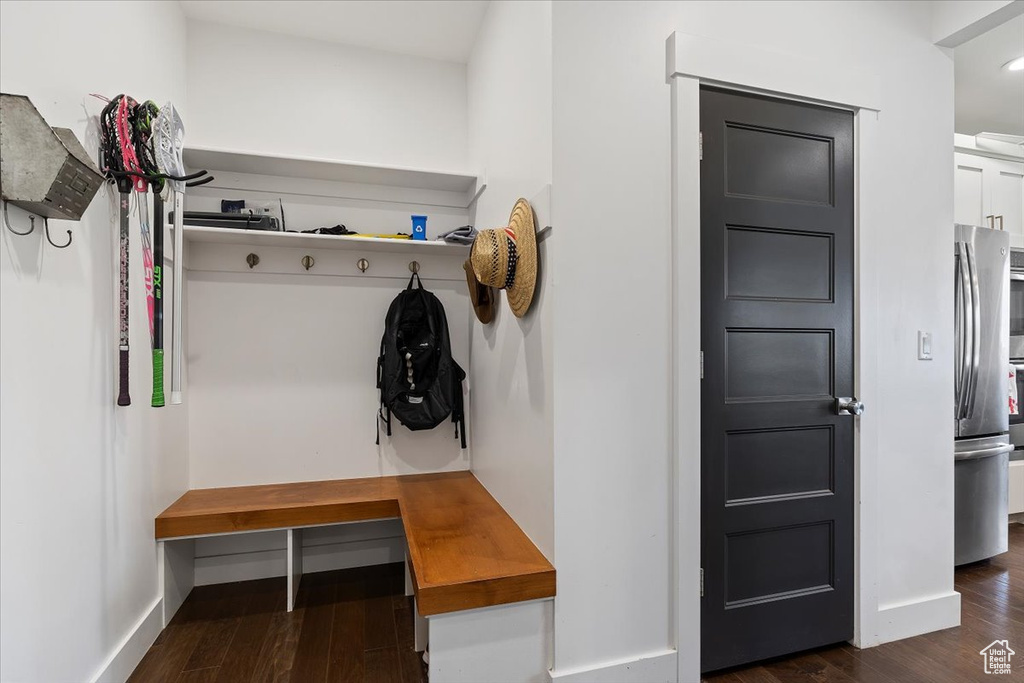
<point x="465" y="551"/>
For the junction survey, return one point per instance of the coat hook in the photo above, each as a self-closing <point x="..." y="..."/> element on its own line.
<point x="414" y="266"/>
<point x="307" y="262"/>
<point x="31" y="222"/>
<point x="253" y="260"/>
<point x="46" y="229"/>
<point x="362" y="264"/>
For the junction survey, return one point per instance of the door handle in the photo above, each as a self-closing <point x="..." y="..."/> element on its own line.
<point x="972" y="389"/>
<point x="964" y="328"/>
<point x="984" y="452"/>
<point x="848" y="405"/>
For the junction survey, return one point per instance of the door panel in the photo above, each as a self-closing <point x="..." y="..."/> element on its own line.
<point x="777" y="164"/>
<point x="777" y="364"/>
<point x="777" y="335"/>
<point x="777" y="564"/>
<point x="988" y="261"/>
<point x="763" y="463"/>
<point x="1008" y="199"/>
<point x="968" y="197"/>
<point x="766" y="263"/>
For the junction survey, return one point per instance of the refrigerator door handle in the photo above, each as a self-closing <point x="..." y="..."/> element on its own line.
<point x="965" y="308"/>
<point x="959" y="327"/>
<point x="984" y="452"/>
<point x="972" y="390"/>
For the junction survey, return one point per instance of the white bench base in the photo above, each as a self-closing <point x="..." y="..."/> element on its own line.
<point x="501" y="644"/>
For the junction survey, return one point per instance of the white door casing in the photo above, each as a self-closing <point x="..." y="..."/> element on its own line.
<point x="692" y="61"/>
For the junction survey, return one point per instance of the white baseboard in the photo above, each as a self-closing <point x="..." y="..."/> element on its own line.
<point x="909" y="619"/>
<point x="655" y="667"/>
<point x="127" y="655"/>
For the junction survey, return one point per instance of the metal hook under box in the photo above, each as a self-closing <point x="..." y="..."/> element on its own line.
<point x="31" y="222"/>
<point x="32" y="228"/>
<point x="414" y="266"/>
<point x="253" y="260"/>
<point x="307" y="262"/>
<point x="46" y="230"/>
<point x="362" y="264"/>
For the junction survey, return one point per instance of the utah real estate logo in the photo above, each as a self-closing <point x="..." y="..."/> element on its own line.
<point x="997" y="657"/>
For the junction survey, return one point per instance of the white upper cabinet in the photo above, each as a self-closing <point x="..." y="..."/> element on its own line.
<point x="968" y="202"/>
<point x="1008" y="198"/>
<point x="990" y="192"/>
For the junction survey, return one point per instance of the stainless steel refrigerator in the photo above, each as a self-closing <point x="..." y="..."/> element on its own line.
<point x="981" y="379"/>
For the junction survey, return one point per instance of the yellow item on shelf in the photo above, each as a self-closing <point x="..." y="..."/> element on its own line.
<point x="382" y="236"/>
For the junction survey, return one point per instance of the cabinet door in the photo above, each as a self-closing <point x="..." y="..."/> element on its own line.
<point x="1016" y="492"/>
<point x="1006" y="182"/>
<point x="968" y="190"/>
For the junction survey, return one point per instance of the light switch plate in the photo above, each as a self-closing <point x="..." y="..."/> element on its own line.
<point x="924" y="345"/>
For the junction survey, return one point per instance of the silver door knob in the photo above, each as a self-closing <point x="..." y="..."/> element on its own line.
<point x="848" y="405"/>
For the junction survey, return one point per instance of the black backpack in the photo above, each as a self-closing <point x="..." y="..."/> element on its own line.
<point x="419" y="382"/>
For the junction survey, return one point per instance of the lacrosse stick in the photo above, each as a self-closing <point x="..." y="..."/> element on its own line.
<point x="169" y="139"/>
<point x="117" y="167"/>
<point x="152" y="252"/>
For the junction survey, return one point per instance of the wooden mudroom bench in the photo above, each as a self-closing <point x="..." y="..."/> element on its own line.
<point x="465" y="551"/>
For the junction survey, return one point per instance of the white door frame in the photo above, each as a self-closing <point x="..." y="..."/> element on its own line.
<point x="691" y="62"/>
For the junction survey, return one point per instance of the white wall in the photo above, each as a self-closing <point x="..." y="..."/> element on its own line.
<point x="611" y="321"/>
<point x="283" y="388"/>
<point x="511" y="375"/>
<point x="80" y="479"/>
<point x="273" y="93"/>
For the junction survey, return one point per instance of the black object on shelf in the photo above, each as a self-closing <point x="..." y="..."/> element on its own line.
<point x="240" y="221"/>
<point x="336" y="230"/>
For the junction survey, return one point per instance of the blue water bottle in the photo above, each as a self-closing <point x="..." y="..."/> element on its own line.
<point x="419" y="227"/>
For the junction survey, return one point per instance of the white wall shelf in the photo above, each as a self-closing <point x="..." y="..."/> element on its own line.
<point x="311" y="168"/>
<point x="298" y="240"/>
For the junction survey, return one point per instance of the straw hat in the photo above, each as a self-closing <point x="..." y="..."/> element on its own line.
<point x="481" y="296"/>
<point x="506" y="258"/>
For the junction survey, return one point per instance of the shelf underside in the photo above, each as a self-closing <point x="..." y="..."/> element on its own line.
<point x="262" y="238"/>
<point x="325" y="169"/>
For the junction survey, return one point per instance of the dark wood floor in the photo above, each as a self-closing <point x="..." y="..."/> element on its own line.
<point x="351" y="625"/>
<point x="356" y="625"/>
<point x="992" y="607"/>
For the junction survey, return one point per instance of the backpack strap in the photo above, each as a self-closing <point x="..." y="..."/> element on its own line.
<point x="380" y="386"/>
<point x="383" y="414"/>
<point x="459" y="408"/>
<point x="416" y="277"/>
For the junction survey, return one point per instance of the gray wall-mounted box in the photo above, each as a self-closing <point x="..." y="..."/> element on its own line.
<point x="43" y="170"/>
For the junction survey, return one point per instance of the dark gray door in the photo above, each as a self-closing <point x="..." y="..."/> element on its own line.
<point x="777" y="336"/>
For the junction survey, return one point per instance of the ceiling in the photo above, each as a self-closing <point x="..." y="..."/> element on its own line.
<point x="437" y="29"/>
<point x="988" y="97"/>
